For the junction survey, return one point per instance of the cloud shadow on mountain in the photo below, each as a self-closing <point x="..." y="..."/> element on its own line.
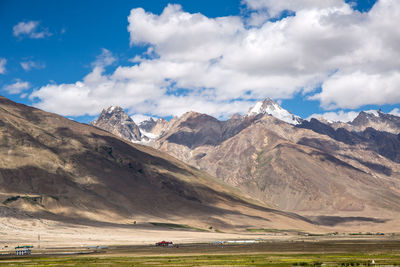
<point x="336" y="220"/>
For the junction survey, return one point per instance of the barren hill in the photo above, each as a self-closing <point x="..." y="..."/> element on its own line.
<point x="300" y="169"/>
<point x="55" y="168"/>
<point x="314" y="168"/>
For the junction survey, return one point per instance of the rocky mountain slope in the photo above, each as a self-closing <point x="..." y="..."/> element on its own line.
<point x="58" y="169"/>
<point x="154" y="128"/>
<point x="116" y="121"/>
<point x="311" y="167"/>
<point x="295" y="168"/>
<point x="377" y="120"/>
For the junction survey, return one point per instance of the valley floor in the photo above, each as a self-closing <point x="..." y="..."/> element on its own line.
<point x="63" y="243"/>
<point x="307" y="252"/>
<point x="27" y="231"/>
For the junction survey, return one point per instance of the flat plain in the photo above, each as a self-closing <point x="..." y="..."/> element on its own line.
<point x="360" y="250"/>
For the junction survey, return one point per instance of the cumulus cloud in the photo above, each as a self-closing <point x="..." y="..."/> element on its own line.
<point x="29" y="65"/>
<point x="136" y="59"/>
<point x="138" y="118"/>
<point x="105" y="59"/>
<point x="219" y="65"/>
<point x="3" y="63"/>
<point x="395" y="112"/>
<point x="272" y="8"/>
<point x="336" y="116"/>
<point x="140" y="93"/>
<point x="275" y="7"/>
<point x="30" y="29"/>
<point x="352" y="90"/>
<point x="17" y="87"/>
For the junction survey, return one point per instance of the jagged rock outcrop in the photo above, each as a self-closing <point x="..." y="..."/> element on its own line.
<point x="154" y="128"/>
<point x="115" y="120"/>
<point x="147" y="125"/>
<point x="383" y="143"/>
<point x="378" y="120"/>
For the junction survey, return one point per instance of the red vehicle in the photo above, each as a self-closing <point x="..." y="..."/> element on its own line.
<point x="164" y="244"/>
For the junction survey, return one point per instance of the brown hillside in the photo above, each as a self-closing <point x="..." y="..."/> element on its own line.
<point x="55" y="168"/>
<point x="301" y="170"/>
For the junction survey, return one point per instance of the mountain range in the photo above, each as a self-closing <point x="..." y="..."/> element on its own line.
<point x="54" y="168"/>
<point x="253" y="170"/>
<point x="312" y="167"/>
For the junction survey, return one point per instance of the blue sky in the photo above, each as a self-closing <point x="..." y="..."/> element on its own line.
<point x="68" y="40"/>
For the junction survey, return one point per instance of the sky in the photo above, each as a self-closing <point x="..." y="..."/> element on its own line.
<point x="329" y="58"/>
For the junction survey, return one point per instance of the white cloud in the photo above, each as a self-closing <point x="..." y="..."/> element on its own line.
<point x="136" y="59"/>
<point x="105" y="59"/>
<point x="140" y="93"/>
<point x="224" y="62"/>
<point x="395" y="112"/>
<point x="336" y="116"/>
<point x="24" y="95"/>
<point x="138" y="118"/>
<point x="263" y="10"/>
<point x="352" y="90"/>
<point x="17" y="87"/>
<point x="30" y="29"/>
<point x="274" y="7"/>
<point x="3" y="63"/>
<point x="29" y="65"/>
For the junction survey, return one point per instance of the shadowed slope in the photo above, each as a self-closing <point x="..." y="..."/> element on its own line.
<point x="52" y="167"/>
<point x="314" y="173"/>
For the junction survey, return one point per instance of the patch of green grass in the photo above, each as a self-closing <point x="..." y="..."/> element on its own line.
<point x="360" y="259"/>
<point x="271" y="230"/>
<point x="367" y="233"/>
<point x="55" y="197"/>
<point x="356" y="233"/>
<point x="177" y="226"/>
<point x="32" y="200"/>
<point x="11" y="199"/>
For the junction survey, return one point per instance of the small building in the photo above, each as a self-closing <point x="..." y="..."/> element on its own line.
<point x="23" y="251"/>
<point x="164" y="244"/>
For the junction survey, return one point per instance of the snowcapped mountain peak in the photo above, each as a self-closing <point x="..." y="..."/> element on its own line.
<point x="376" y="113"/>
<point x="269" y="106"/>
<point x="264" y="106"/>
<point x="113" y="109"/>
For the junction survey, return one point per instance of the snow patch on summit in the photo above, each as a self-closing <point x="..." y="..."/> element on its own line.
<point x="111" y="109"/>
<point x="373" y="112"/>
<point x="147" y="134"/>
<point x="269" y="106"/>
<point x="257" y="109"/>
